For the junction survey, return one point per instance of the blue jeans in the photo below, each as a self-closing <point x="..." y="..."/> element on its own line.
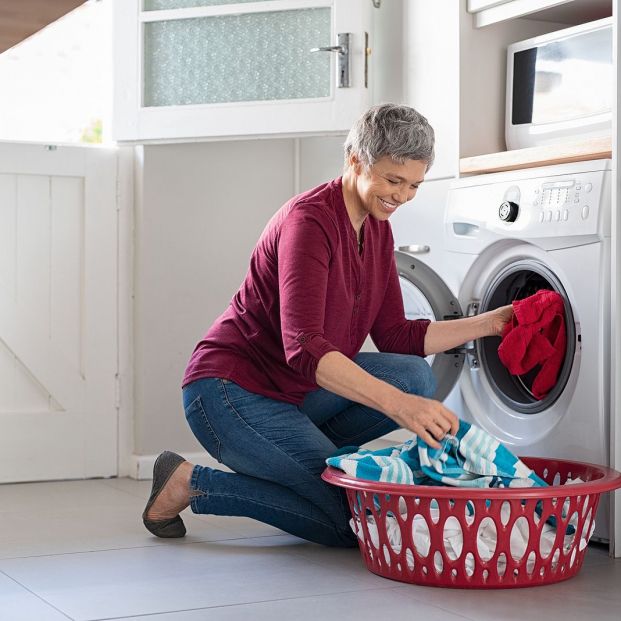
<point x="278" y="450"/>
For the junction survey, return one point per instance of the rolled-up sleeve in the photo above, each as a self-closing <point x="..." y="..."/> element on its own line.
<point x="304" y="255"/>
<point x="392" y="332"/>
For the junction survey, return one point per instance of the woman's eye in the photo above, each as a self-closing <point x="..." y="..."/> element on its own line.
<point x="392" y="181"/>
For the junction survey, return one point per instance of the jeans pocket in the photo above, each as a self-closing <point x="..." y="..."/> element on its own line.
<point x="235" y="394"/>
<point x="202" y="429"/>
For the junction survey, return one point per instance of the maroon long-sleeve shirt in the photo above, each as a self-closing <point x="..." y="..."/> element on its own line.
<point x="308" y="291"/>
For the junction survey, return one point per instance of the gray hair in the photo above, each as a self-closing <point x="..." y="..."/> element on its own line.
<point x="390" y="129"/>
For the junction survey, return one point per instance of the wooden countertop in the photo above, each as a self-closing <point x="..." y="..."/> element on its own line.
<point x="575" y="151"/>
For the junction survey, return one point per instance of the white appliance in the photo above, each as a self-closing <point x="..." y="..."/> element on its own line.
<point x="506" y="235"/>
<point x="560" y="86"/>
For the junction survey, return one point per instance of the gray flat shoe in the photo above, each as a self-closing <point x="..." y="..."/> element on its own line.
<point x="164" y="467"/>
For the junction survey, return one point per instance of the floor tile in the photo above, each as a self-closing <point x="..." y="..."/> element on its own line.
<point x="82" y="516"/>
<point x="593" y="593"/>
<point x="18" y="604"/>
<point x="167" y="578"/>
<point x="371" y="605"/>
<point x="59" y="495"/>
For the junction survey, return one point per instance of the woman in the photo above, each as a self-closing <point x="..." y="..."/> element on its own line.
<point x="278" y="384"/>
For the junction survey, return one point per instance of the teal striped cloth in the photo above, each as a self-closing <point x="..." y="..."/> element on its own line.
<point x="470" y="458"/>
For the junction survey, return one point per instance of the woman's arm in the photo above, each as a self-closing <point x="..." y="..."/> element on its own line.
<point x="443" y="335"/>
<point x="428" y="418"/>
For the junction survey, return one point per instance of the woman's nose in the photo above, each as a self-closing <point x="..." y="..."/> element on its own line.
<point x="401" y="196"/>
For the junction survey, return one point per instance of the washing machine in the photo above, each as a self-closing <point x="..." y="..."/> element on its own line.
<point x="507" y="235"/>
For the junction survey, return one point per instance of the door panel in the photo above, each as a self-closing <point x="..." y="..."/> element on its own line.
<point x="58" y="312"/>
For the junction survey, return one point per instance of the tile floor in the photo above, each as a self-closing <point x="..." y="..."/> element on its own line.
<point x="78" y="550"/>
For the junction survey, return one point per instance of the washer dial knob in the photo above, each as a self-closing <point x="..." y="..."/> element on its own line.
<point x="508" y="211"/>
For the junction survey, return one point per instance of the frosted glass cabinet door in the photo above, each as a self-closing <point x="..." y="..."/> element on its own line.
<point x="200" y="69"/>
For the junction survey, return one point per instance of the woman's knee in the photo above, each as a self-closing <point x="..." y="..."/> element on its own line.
<point x="409" y="373"/>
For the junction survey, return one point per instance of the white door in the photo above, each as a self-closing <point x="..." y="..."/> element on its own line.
<point x="58" y="312"/>
<point x="191" y="69"/>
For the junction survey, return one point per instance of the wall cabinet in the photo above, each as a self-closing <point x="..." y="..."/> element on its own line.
<point x="462" y="91"/>
<point x="216" y="69"/>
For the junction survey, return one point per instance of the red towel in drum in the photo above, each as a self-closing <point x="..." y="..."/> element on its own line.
<point x="536" y="335"/>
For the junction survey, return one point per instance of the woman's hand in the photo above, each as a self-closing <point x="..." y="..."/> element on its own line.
<point x="498" y="319"/>
<point x="427" y="418"/>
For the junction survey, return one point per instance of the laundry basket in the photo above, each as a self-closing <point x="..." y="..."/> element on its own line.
<point x="432" y="535"/>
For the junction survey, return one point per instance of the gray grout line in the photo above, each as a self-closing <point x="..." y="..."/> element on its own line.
<point x="155" y="545"/>
<point x="23" y="586"/>
<point x="263" y="601"/>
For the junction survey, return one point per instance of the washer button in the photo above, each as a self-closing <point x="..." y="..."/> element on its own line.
<point x="542" y="215"/>
<point x="557" y="215"/>
<point x="565" y="214"/>
<point x="549" y="216"/>
<point x="585" y="212"/>
<point x="588" y="187"/>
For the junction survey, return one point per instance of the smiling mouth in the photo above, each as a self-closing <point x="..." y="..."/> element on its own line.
<point x="388" y="206"/>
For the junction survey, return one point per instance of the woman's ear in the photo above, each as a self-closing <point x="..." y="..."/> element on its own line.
<point x="355" y="164"/>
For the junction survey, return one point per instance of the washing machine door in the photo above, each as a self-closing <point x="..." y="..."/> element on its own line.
<point x="426" y="296"/>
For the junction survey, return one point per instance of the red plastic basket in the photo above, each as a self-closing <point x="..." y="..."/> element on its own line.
<point x="380" y="509"/>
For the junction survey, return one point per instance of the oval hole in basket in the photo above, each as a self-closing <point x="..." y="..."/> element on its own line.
<point x="585" y="505"/>
<point x="557" y="479"/>
<point x="501" y="564"/>
<point x="469" y="562"/>
<point x="555" y="558"/>
<point x="505" y="512"/>
<point x="438" y="561"/>
<point x="453" y="538"/>
<point x="434" y="510"/>
<point x="487" y="536"/>
<point x="546" y="541"/>
<point x="585" y="529"/>
<point x="573" y="557"/>
<point x="386" y="555"/>
<point x="409" y="559"/>
<point x="420" y="535"/>
<point x="373" y="532"/>
<point x="570" y="533"/>
<point x="530" y="562"/>
<point x="394" y="534"/>
<point x="519" y="538"/>
<point x="469" y="513"/>
<point x="403" y="507"/>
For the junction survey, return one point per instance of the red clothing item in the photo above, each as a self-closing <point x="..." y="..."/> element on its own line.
<point x="308" y="292"/>
<point x="536" y="335"/>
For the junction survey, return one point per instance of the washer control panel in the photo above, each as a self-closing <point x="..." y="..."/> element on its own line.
<point x="554" y="204"/>
<point x="558" y="201"/>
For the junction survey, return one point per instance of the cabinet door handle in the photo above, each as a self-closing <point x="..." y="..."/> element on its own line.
<point x="343" y="68"/>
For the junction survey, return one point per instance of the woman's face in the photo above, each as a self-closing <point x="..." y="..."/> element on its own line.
<point x="386" y="185"/>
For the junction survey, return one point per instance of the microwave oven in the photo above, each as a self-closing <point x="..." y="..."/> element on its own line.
<point x="560" y="86"/>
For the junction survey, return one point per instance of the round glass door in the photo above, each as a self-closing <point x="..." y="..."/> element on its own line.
<point x="426" y="296"/>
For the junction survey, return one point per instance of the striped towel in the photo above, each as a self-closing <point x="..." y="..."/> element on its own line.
<point x="471" y="458"/>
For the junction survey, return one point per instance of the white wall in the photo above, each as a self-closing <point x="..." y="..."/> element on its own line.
<point x="203" y="206"/>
